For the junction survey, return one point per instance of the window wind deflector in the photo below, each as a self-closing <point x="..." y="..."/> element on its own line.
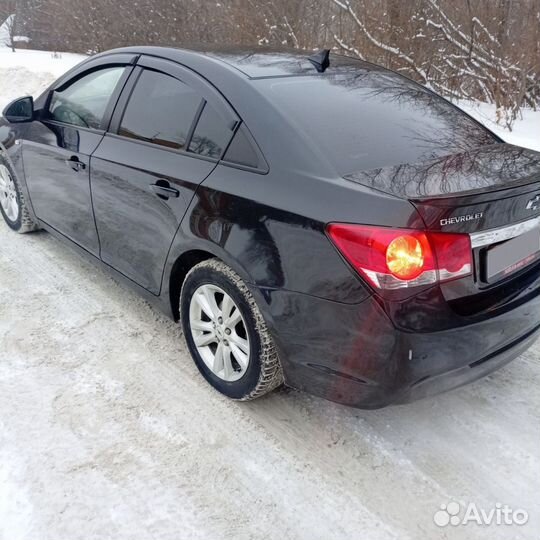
<point x="321" y="60"/>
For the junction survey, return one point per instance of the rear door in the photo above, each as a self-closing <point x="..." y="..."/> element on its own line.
<point x="168" y="132"/>
<point x="57" y="147"/>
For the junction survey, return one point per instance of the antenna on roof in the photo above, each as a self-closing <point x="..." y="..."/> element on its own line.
<point x="321" y="60"/>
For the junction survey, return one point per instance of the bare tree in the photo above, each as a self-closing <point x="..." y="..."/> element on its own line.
<point x="472" y="53"/>
<point x="486" y="50"/>
<point x="7" y="34"/>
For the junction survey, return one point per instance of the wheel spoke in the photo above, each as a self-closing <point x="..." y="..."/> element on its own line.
<point x="241" y="343"/>
<point x="241" y="356"/>
<point x="202" y="299"/>
<point x="210" y="296"/>
<point x="234" y="318"/>
<point x="218" y="359"/>
<point x="14" y="209"/>
<point x="228" y="369"/>
<point x="203" y="326"/>
<point x="203" y="340"/>
<point x="227" y="306"/>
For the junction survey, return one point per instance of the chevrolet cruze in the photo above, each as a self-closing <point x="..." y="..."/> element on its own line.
<point x="311" y="220"/>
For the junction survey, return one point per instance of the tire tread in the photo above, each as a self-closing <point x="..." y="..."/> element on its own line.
<point x="27" y="223"/>
<point x="271" y="375"/>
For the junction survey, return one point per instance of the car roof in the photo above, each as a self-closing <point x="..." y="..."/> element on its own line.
<point x="265" y="62"/>
<point x="253" y="62"/>
<point x="242" y="75"/>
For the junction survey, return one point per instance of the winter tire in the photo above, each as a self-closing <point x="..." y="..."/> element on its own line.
<point x="226" y="333"/>
<point x="12" y="203"/>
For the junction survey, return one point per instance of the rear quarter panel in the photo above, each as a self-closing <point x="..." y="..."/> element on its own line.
<point x="270" y="229"/>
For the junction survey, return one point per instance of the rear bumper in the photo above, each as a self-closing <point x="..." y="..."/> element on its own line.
<point x="355" y="355"/>
<point x="431" y="385"/>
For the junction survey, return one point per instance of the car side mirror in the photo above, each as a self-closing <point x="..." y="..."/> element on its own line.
<point x="20" y="110"/>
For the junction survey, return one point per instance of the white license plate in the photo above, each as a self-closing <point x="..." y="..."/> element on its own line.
<point x="513" y="254"/>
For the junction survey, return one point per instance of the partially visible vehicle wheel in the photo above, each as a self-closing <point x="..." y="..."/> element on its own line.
<point x="12" y="203"/>
<point x="226" y="333"/>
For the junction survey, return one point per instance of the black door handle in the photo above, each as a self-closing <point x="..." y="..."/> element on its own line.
<point x="163" y="190"/>
<point x="75" y="163"/>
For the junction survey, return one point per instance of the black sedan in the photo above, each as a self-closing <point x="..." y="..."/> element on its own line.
<point x="312" y="220"/>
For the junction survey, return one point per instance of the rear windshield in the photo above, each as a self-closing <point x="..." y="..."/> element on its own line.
<point x="366" y="119"/>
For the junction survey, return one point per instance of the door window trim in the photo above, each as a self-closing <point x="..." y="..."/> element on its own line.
<point x="122" y="93"/>
<point x="121" y="107"/>
<point x="63" y="84"/>
<point x="123" y="104"/>
<point x="207" y="93"/>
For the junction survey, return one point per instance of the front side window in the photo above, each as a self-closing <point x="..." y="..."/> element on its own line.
<point x="161" y="110"/>
<point x="83" y="103"/>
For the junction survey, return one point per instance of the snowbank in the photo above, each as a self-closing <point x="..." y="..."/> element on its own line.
<point x="27" y="72"/>
<point x="525" y="132"/>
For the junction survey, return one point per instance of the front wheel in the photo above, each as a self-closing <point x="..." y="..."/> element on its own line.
<point x="226" y="333"/>
<point x="12" y="203"/>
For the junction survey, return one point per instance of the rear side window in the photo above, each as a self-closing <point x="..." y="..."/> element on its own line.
<point x="83" y="103"/>
<point x="367" y="119"/>
<point x="211" y="135"/>
<point x="161" y="110"/>
<point x="241" y="151"/>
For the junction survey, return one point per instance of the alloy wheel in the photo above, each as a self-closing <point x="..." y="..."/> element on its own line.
<point x="8" y="194"/>
<point x="219" y="332"/>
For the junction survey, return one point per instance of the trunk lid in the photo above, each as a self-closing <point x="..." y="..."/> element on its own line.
<point x="483" y="188"/>
<point x="491" y="193"/>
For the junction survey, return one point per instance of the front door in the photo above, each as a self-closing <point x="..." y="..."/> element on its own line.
<point x="56" y="153"/>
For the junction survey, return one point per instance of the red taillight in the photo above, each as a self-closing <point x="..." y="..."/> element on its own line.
<point x="399" y="258"/>
<point x="406" y="257"/>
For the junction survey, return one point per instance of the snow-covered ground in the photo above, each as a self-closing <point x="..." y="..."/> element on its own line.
<point x="525" y="131"/>
<point x="108" y="432"/>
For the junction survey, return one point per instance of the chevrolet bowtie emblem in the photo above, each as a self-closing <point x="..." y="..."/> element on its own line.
<point x="534" y="204"/>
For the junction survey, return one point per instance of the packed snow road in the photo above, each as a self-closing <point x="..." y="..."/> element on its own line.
<point x="107" y="431"/>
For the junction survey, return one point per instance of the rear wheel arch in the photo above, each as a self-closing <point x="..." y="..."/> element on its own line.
<point x="185" y="262"/>
<point x="180" y="269"/>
